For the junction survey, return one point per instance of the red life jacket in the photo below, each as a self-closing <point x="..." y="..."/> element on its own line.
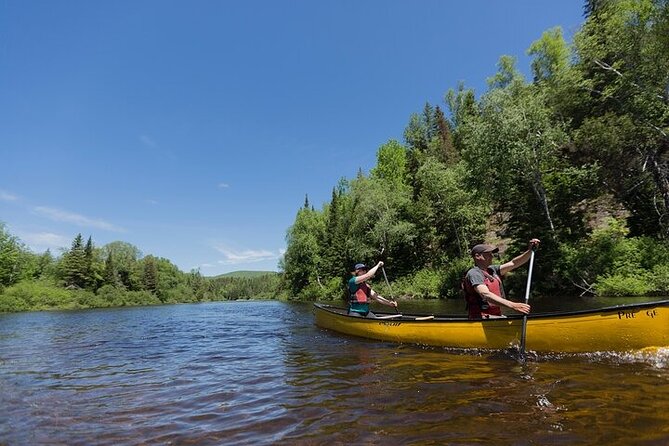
<point x="361" y="296"/>
<point x="476" y="306"/>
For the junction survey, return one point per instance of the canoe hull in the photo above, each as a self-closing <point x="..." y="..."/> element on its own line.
<point x="620" y="328"/>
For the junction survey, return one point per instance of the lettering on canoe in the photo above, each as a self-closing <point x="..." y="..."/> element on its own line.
<point x="390" y="323"/>
<point x="632" y="315"/>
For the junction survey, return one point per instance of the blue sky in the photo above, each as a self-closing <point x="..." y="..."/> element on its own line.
<point x="194" y="129"/>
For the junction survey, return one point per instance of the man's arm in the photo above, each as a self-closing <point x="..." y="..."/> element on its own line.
<point x="519" y="260"/>
<point x="488" y="295"/>
<point x="369" y="274"/>
<point x="376" y="296"/>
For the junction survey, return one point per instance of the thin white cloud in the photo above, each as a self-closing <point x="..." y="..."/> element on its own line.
<point x="155" y="148"/>
<point x="247" y="256"/>
<point x="148" y="141"/>
<point x="223" y="185"/>
<point x="79" y="220"/>
<point x="150" y="201"/>
<point x="40" y="241"/>
<point x="6" y="196"/>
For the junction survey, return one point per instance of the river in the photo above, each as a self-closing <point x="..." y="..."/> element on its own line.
<point x="261" y="373"/>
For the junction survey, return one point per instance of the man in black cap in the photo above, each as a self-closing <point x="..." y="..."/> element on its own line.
<point x="360" y="293"/>
<point x="483" y="287"/>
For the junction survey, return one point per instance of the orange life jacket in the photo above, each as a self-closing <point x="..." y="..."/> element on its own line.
<point x="361" y="296"/>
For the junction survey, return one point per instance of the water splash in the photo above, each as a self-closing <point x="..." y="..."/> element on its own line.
<point x="657" y="357"/>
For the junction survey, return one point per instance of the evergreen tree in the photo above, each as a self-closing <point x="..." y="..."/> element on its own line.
<point x="74" y="268"/>
<point x="429" y="122"/>
<point x="332" y="244"/>
<point x="462" y="106"/>
<point x="110" y="274"/>
<point x="442" y="146"/>
<point x="91" y="281"/>
<point x="200" y="285"/>
<point x="150" y="277"/>
<point x="45" y="264"/>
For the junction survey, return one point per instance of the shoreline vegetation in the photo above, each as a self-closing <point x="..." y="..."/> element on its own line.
<point x="115" y="275"/>
<point x="578" y="156"/>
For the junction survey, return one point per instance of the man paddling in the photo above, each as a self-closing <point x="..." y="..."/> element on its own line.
<point x="360" y="293"/>
<point x="483" y="287"/>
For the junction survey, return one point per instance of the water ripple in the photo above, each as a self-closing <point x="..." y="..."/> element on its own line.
<point x="261" y="373"/>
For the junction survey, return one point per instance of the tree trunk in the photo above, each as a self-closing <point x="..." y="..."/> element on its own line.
<point x="659" y="168"/>
<point x="540" y="192"/>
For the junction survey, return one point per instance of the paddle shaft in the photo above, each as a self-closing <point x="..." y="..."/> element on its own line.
<point x="383" y="270"/>
<point x="523" y="333"/>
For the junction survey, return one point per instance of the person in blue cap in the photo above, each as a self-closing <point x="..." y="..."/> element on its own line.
<point x="360" y="293"/>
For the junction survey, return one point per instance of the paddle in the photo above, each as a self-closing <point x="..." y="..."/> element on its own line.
<point x="523" y="333"/>
<point x="389" y="316"/>
<point x="423" y="318"/>
<point x="389" y="289"/>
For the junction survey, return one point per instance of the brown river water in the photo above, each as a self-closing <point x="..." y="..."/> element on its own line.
<point x="261" y="373"/>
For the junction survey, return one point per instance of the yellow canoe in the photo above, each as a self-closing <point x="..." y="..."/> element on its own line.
<point x="617" y="328"/>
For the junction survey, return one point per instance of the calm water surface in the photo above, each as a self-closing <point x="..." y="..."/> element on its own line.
<point x="262" y="373"/>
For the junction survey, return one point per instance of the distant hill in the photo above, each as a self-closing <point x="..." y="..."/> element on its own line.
<point x="247" y="274"/>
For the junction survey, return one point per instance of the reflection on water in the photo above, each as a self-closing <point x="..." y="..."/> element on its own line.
<point x="262" y="373"/>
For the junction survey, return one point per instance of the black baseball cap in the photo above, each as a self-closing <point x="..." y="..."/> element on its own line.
<point x="481" y="248"/>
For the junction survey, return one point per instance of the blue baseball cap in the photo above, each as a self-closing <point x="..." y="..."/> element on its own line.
<point x="360" y="266"/>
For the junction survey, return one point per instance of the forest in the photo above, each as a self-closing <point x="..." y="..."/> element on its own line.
<point x="577" y="156"/>
<point x="116" y="274"/>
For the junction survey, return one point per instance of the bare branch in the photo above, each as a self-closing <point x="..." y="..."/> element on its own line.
<point x="608" y="67"/>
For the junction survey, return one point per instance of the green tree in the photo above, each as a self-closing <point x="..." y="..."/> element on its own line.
<point x="379" y="223"/>
<point x="110" y="273"/>
<point x="301" y="261"/>
<point x="93" y="265"/>
<point x="507" y="76"/>
<point x="450" y="214"/>
<point x="441" y="146"/>
<point x="45" y="265"/>
<point x="150" y="277"/>
<point x="623" y="61"/>
<point x="391" y="165"/>
<point x="551" y="56"/>
<point x="11" y="258"/>
<point x="172" y="282"/>
<point x="126" y="263"/>
<point x="73" y="265"/>
<point x="513" y="147"/>
<point x="335" y="252"/>
<point x="199" y="285"/>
